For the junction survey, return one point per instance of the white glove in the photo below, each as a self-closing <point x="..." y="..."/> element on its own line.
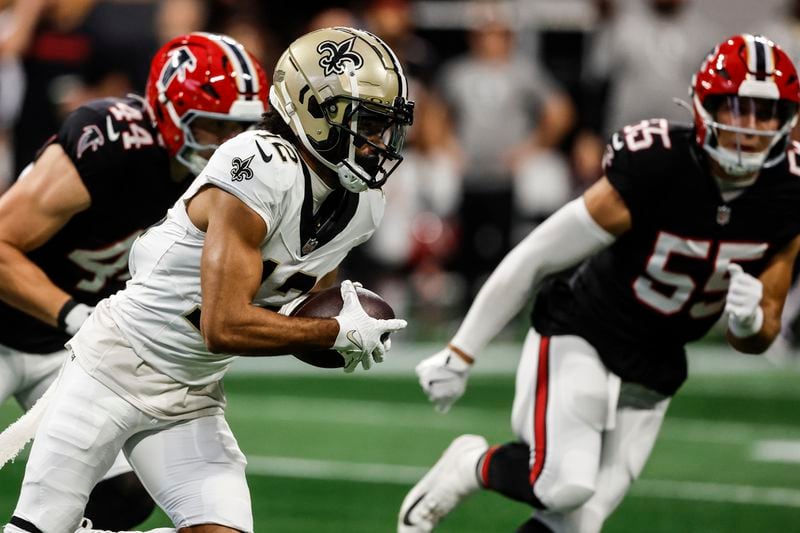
<point x="359" y="338"/>
<point x="75" y="318"/>
<point x="745" y="316"/>
<point x="443" y="377"/>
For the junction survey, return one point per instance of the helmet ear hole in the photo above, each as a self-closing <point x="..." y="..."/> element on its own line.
<point x="313" y="108"/>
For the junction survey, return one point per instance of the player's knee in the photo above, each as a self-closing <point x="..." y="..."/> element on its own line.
<point x="569" y="496"/>
<point x="119" y="503"/>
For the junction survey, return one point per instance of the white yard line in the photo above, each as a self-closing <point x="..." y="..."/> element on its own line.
<point x="408" y="475"/>
<point x="264" y="407"/>
<point x="777" y="451"/>
<point x="501" y="358"/>
<point x="716" y="492"/>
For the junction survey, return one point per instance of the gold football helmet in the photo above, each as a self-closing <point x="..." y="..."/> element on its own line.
<point x="339" y="89"/>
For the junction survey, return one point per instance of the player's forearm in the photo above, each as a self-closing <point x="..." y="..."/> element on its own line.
<point x="251" y="330"/>
<point x="562" y="241"/>
<point x="24" y="286"/>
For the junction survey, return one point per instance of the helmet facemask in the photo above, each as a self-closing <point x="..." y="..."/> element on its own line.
<point x="746" y="134"/>
<point x="358" y="124"/>
<point x="194" y="153"/>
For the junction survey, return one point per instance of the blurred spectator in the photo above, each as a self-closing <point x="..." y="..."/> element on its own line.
<point x="392" y="21"/>
<point x="179" y="17"/>
<point x="507" y="112"/>
<point x="331" y="17"/>
<point x="637" y="62"/>
<point x="12" y="89"/>
<point x="784" y="29"/>
<point x="73" y="51"/>
<point x="647" y="52"/>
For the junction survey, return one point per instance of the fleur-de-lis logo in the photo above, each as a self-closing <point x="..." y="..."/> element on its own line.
<point x="241" y="168"/>
<point x="335" y="55"/>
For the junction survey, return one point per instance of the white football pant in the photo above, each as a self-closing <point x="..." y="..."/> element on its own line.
<point x="193" y="469"/>
<point x="589" y="435"/>
<point x="26" y="376"/>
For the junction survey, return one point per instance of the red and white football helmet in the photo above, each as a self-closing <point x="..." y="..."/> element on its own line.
<point x="754" y="80"/>
<point x="203" y="75"/>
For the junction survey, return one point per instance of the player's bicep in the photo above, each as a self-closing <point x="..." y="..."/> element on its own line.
<point x="231" y="263"/>
<point x="41" y="202"/>
<point x="607" y="208"/>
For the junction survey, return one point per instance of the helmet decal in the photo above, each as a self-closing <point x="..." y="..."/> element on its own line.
<point x="180" y="61"/>
<point x="242" y="65"/>
<point x="760" y="60"/>
<point x="335" y="55"/>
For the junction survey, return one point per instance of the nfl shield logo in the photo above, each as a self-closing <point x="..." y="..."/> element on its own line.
<point x="310" y="246"/>
<point x="723" y="215"/>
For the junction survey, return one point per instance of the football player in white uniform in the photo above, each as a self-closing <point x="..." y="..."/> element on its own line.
<point x="274" y="211"/>
<point x="65" y="235"/>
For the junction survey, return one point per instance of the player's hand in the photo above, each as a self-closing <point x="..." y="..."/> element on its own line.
<point x="443" y="377"/>
<point x="359" y="338"/>
<point x="743" y="302"/>
<point x="75" y="317"/>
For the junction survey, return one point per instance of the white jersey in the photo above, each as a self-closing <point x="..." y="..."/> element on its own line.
<point x="158" y="312"/>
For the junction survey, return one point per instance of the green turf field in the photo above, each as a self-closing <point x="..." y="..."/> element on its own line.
<point x="334" y="453"/>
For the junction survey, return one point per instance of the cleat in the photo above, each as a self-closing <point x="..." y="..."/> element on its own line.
<point x="450" y="481"/>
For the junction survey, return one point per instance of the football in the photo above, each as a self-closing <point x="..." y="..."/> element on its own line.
<point x="326" y="304"/>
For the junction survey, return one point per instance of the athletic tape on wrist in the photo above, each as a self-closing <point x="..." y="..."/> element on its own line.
<point x="62" y="314"/>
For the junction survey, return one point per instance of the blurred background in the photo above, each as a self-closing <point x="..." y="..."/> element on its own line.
<point x="515" y="100"/>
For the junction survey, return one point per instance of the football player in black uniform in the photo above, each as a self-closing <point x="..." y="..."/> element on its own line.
<point x="687" y="223"/>
<point x="67" y="224"/>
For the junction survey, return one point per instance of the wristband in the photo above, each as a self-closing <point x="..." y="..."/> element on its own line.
<point x="62" y="314"/>
<point x="464" y="356"/>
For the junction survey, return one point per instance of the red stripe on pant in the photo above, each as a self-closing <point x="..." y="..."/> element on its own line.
<point x="540" y="410"/>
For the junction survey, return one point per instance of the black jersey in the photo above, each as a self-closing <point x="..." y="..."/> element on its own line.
<point x="663" y="283"/>
<point x="126" y="169"/>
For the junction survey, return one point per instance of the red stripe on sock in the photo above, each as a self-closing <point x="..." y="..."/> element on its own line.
<point x="540" y="411"/>
<point x="485" y="467"/>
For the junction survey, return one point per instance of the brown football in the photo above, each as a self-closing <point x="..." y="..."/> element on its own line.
<point x="327" y="303"/>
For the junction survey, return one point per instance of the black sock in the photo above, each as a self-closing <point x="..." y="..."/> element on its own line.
<point x="505" y="469"/>
<point x="533" y="526"/>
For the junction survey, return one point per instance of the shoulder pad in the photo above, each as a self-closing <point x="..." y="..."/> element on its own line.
<point x="260" y="155"/>
<point x="641" y="143"/>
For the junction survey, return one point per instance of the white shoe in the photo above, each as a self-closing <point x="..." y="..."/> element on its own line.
<point x="86" y="527"/>
<point x="451" y="479"/>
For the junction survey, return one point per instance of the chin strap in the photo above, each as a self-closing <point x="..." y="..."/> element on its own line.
<point x="348" y="177"/>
